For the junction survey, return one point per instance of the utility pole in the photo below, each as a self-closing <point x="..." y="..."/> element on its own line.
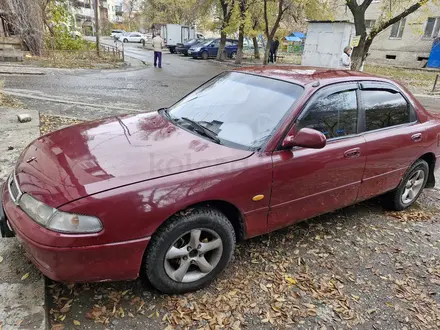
<point x="97" y="26"/>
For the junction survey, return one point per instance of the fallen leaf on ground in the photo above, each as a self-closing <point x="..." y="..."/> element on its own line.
<point x="25" y="276"/>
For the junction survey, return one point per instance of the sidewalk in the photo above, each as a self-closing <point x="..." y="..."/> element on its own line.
<point x="21" y="284"/>
<point x="20" y="69"/>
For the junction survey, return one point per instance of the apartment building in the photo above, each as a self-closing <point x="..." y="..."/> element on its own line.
<point x="406" y="43"/>
<point x="84" y="14"/>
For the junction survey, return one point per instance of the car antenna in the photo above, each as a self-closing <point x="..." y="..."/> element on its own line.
<point x="316" y="84"/>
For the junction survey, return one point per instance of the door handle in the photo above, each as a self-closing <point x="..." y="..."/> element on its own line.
<point x="352" y="153"/>
<point x="416" y="137"/>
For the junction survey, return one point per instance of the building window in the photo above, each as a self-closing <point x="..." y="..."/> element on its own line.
<point x="432" y="27"/>
<point x="369" y="23"/>
<point x="397" y="29"/>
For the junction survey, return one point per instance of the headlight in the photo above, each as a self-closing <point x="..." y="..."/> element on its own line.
<point x="196" y="50"/>
<point x="38" y="211"/>
<point x="57" y="220"/>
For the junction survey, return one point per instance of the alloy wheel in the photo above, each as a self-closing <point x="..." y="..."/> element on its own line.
<point x="413" y="187"/>
<point x="193" y="255"/>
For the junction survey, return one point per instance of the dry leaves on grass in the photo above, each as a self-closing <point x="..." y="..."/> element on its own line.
<point x="411" y="215"/>
<point x="52" y="123"/>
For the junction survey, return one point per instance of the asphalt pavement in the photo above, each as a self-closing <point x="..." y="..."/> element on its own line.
<point x="91" y="94"/>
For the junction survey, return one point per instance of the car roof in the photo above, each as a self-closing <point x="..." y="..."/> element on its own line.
<point x="305" y="75"/>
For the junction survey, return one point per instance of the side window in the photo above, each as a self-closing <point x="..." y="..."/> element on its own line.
<point x="335" y="115"/>
<point x="384" y="109"/>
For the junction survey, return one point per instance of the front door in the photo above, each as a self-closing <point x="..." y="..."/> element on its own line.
<point x="309" y="182"/>
<point x="213" y="48"/>
<point x="394" y="138"/>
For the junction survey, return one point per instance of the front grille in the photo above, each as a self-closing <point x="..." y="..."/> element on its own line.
<point x="13" y="188"/>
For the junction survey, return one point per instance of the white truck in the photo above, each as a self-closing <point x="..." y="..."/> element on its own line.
<point x="174" y="34"/>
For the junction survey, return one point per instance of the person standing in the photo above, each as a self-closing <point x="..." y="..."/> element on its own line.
<point x="346" y="58"/>
<point x="273" y="50"/>
<point x="158" y="45"/>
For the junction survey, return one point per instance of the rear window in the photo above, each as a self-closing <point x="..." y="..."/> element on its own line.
<point x="384" y="109"/>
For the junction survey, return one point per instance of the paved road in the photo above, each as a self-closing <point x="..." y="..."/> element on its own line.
<point x="114" y="91"/>
<point x="91" y="94"/>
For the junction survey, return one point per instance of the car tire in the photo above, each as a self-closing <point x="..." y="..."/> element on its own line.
<point x="204" y="55"/>
<point x="125" y="41"/>
<point x="410" y="187"/>
<point x="194" y="57"/>
<point x="172" y="50"/>
<point x="179" y="234"/>
<point x="233" y="55"/>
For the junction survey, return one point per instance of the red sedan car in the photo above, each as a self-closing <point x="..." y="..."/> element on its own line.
<point x="169" y="193"/>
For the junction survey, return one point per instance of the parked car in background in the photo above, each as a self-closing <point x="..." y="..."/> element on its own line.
<point x="210" y="49"/>
<point x="182" y="48"/>
<point x="185" y="190"/>
<point x="76" y="34"/>
<point x="136" y="37"/>
<point x="117" y="33"/>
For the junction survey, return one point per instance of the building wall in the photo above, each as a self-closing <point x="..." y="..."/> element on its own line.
<point x="411" y="49"/>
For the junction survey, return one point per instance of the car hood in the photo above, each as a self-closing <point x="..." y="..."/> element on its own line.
<point x="88" y="158"/>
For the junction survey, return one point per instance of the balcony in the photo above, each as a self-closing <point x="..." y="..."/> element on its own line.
<point x="82" y="3"/>
<point x="84" y="12"/>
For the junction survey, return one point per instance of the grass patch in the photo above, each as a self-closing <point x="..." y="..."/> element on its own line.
<point x="75" y="60"/>
<point x="419" y="80"/>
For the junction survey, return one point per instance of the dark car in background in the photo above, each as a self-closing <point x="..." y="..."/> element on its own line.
<point x="210" y="49"/>
<point x="182" y="48"/>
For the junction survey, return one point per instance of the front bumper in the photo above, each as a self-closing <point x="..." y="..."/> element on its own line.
<point x="181" y="50"/>
<point x="104" y="262"/>
<point x="193" y="53"/>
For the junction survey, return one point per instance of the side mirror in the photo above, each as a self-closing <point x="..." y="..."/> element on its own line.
<point x="306" y="138"/>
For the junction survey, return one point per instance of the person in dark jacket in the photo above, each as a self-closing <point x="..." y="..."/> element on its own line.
<point x="273" y="50"/>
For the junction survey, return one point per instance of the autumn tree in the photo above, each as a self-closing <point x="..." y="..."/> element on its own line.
<point x="130" y="7"/>
<point x="393" y="11"/>
<point x="173" y="12"/>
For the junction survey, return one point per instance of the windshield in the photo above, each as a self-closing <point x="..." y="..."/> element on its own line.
<point x="206" y="43"/>
<point x="242" y="109"/>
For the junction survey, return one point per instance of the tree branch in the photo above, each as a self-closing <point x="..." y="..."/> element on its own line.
<point x="266" y="20"/>
<point x="366" y="4"/>
<point x="396" y="19"/>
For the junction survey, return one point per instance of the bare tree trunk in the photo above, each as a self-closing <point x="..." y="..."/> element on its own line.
<point x="227" y="12"/>
<point x="239" y="57"/>
<point x="256" y="48"/>
<point x="270" y="33"/>
<point x="221" y="48"/>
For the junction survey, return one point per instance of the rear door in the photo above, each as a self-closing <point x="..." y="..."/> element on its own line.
<point x="394" y="137"/>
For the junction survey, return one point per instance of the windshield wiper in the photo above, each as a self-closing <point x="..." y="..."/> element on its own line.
<point x="165" y="113"/>
<point x="202" y="129"/>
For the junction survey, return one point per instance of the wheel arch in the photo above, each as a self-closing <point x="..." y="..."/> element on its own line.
<point x="431" y="160"/>
<point x="232" y="212"/>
